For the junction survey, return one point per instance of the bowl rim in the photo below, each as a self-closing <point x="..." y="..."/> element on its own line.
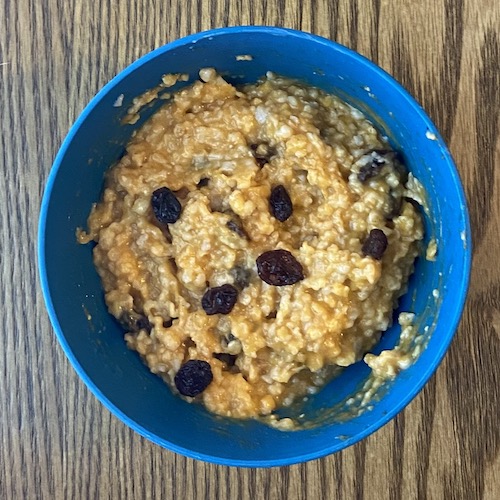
<point x="453" y="320"/>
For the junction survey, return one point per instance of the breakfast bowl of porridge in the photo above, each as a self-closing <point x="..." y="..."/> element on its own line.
<point x="254" y="246"/>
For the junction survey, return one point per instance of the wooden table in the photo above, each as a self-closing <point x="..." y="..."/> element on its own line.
<point x="56" y="440"/>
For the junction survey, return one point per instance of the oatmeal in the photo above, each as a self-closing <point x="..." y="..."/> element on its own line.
<point x="253" y="240"/>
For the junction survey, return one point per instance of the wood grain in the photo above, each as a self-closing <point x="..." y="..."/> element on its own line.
<point x="56" y="440"/>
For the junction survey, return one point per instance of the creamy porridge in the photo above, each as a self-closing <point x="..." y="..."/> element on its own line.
<point x="253" y="240"/>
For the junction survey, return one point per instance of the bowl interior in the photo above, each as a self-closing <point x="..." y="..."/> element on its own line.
<point x="93" y="340"/>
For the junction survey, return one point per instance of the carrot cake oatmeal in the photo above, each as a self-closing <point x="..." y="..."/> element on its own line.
<point x="252" y="240"/>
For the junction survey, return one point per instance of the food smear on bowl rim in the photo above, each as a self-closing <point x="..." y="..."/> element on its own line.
<point x="138" y="103"/>
<point x="265" y="232"/>
<point x="244" y="57"/>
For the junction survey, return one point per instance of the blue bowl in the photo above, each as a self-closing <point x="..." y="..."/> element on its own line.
<point x="93" y="341"/>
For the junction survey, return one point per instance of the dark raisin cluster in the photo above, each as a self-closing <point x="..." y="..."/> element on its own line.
<point x="275" y="267"/>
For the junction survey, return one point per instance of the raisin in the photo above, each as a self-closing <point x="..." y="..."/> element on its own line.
<point x="203" y="182"/>
<point x="237" y="228"/>
<point x="134" y="322"/>
<point x="228" y="359"/>
<point x="280" y="204"/>
<point x="220" y="299"/>
<point x="279" y="268"/>
<point x="193" y="377"/>
<point x="375" y="245"/>
<point x="166" y="206"/>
